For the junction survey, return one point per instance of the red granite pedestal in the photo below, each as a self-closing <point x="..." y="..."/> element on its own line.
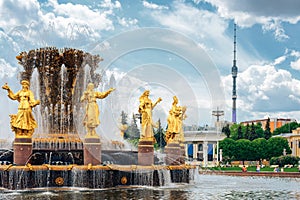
<point x="173" y="153"/>
<point x="22" y="150"/>
<point x="92" y="151"/>
<point x="146" y="152"/>
<point x="182" y="152"/>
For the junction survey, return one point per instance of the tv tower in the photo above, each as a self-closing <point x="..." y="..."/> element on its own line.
<point x="234" y="71"/>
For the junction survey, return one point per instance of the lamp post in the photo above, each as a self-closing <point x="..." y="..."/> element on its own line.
<point x="217" y="113"/>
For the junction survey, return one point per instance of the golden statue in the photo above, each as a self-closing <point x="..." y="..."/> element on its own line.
<point x="23" y="123"/>
<point x="145" y="109"/>
<point x="91" y="118"/>
<point x="175" y="118"/>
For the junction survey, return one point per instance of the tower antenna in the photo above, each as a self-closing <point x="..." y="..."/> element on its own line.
<point x="234" y="71"/>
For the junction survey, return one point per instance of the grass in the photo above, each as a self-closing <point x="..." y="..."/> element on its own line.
<point x="253" y="169"/>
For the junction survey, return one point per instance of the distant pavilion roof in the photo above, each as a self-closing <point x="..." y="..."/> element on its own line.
<point x="203" y="135"/>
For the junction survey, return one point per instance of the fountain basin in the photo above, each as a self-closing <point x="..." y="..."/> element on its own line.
<point x="89" y="176"/>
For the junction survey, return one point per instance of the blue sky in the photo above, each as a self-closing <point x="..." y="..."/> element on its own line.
<point x="268" y="54"/>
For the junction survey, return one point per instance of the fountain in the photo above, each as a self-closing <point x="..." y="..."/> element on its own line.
<point x="51" y="152"/>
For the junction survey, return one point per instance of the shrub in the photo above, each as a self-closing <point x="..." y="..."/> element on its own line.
<point x="284" y="160"/>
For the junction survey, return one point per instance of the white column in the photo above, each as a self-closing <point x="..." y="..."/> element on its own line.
<point x="205" y="153"/>
<point x="186" y="151"/>
<point x="295" y="146"/>
<point x="195" y="150"/>
<point x="214" y="152"/>
<point x="298" y="148"/>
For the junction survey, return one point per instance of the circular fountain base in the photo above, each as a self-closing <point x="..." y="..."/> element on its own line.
<point x="90" y="176"/>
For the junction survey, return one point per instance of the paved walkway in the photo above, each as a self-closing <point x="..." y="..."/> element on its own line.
<point x="235" y="173"/>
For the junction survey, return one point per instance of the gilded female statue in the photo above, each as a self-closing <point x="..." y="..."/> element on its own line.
<point x="23" y="123"/>
<point x="91" y="119"/>
<point x="175" y="118"/>
<point x="145" y="109"/>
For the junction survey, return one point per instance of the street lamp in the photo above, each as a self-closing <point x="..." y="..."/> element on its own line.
<point x="218" y="113"/>
<point x="138" y="116"/>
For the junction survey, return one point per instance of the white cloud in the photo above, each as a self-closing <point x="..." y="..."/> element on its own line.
<point x="276" y="27"/>
<point x="279" y="60"/>
<point x="17" y="12"/>
<point x="81" y="15"/>
<point x="154" y="6"/>
<point x="111" y="5"/>
<point x="208" y="29"/>
<point x="55" y="23"/>
<point x="295" y="53"/>
<point x="268" y="13"/>
<point x="296" y="64"/>
<point x="6" y="70"/>
<point x="127" y="22"/>
<point x="264" y="89"/>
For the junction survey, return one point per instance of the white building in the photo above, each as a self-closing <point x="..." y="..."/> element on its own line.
<point x="201" y="146"/>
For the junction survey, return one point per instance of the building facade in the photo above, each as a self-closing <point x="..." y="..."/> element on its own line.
<point x="274" y="122"/>
<point x="294" y="141"/>
<point x="202" y="146"/>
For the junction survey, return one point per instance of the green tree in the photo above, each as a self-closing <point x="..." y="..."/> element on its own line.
<point x="243" y="150"/>
<point x="284" y="160"/>
<point x="275" y="147"/>
<point x="253" y="135"/>
<point x="226" y="130"/>
<point x="234" y="131"/>
<point x="124" y="118"/>
<point x="259" y="130"/>
<point x="133" y="131"/>
<point x="287" y="128"/>
<point x="240" y="133"/>
<point x="259" y="146"/>
<point x="160" y="136"/>
<point x="247" y="132"/>
<point x="228" y="147"/>
<point x="267" y="132"/>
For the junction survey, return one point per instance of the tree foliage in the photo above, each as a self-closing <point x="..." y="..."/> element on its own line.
<point x="267" y="132"/>
<point x="124" y="118"/>
<point x="287" y="128"/>
<point x="226" y="130"/>
<point x="253" y="135"/>
<point x="244" y="150"/>
<point x="247" y="132"/>
<point x="228" y="147"/>
<point x="257" y="149"/>
<point x="240" y="133"/>
<point x="133" y="131"/>
<point x="284" y="160"/>
<point x="275" y="147"/>
<point x="160" y="137"/>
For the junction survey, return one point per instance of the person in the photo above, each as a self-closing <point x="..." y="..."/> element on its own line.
<point x="276" y="169"/>
<point x="92" y="113"/>
<point x="244" y="169"/>
<point x="23" y="123"/>
<point x="145" y="109"/>
<point x="258" y="168"/>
